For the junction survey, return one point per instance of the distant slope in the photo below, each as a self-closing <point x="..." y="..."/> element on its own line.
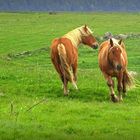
<point x="69" y="5"/>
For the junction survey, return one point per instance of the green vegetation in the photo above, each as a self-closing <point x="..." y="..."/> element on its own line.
<point x="26" y="80"/>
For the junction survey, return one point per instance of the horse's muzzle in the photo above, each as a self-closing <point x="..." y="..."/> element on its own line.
<point x="119" y="67"/>
<point x="95" y="46"/>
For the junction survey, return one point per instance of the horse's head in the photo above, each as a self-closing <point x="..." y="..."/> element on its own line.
<point x="87" y="37"/>
<point x="115" y="54"/>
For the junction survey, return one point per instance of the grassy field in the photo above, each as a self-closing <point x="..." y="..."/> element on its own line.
<point x="26" y="80"/>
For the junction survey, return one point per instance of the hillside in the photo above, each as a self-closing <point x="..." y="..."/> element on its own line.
<point x="69" y="5"/>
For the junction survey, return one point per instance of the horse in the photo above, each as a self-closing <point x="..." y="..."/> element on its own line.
<point x="64" y="53"/>
<point x="112" y="59"/>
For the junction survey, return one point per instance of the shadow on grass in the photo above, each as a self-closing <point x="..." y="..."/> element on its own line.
<point x="90" y="95"/>
<point x="84" y="94"/>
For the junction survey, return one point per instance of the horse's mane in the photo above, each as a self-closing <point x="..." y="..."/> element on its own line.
<point x="107" y="49"/>
<point x="76" y="34"/>
<point x="83" y="31"/>
<point x="116" y="44"/>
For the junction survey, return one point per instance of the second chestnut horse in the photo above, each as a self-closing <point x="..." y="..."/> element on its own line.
<point x="64" y="53"/>
<point x="113" y="63"/>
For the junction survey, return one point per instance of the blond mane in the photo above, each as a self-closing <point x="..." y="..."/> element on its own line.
<point x="76" y="35"/>
<point x="115" y="42"/>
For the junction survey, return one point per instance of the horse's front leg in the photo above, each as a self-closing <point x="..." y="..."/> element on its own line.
<point x="110" y="84"/>
<point x="120" y="86"/>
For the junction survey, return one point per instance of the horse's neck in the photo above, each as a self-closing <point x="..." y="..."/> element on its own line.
<point x="75" y="37"/>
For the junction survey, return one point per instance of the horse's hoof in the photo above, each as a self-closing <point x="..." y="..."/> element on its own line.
<point x="75" y="86"/>
<point x="114" y="98"/>
<point x="120" y="98"/>
<point x="66" y="94"/>
<point x="125" y="94"/>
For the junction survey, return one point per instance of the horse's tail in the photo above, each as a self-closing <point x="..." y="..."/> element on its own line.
<point x="67" y="75"/>
<point x="128" y="79"/>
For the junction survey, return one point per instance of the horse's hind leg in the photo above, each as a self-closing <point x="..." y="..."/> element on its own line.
<point x="119" y="86"/>
<point x="65" y="84"/>
<point x="124" y="85"/>
<point x="64" y="81"/>
<point x="74" y="69"/>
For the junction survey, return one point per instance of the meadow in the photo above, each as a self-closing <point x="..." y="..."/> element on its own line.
<point x="32" y="105"/>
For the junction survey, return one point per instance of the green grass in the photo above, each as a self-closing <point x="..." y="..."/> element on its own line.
<point x="24" y="81"/>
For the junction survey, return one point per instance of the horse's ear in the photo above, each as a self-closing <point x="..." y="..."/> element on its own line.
<point x="111" y="42"/>
<point x="85" y="28"/>
<point x="120" y="42"/>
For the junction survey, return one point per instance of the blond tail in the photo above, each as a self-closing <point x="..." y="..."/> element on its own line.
<point x="128" y="79"/>
<point x="64" y="65"/>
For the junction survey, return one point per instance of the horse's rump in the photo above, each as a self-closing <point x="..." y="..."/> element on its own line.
<point x="63" y="55"/>
<point x="71" y="51"/>
<point x="65" y="68"/>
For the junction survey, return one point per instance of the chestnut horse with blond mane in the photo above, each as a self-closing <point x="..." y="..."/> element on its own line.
<point x="64" y="53"/>
<point x="113" y="63"/>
